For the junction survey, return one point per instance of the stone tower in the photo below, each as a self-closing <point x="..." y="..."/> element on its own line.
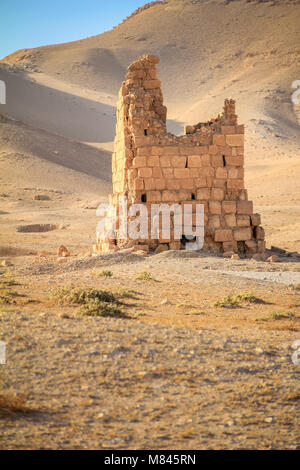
<point x="152" y="166"/>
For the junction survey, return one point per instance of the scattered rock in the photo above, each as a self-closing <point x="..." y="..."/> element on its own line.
<point x="61" y="260"/>
<point x="296" y="344"/>
<point x="5" y="262"/>
<point x="141" y="253"/>
<point x="43" y="254"/>
<point x="63" y="251"/>
<point x="235" y="256"/>
<point x="144" y="248"/>
<point x="260" y="257"/>
<point x="273" y="259"/>
<point x="41" y="197"/>
<point x="161" y="248"/>
<point x="228" y="254"/>
<point x="276" y="249"/>
<point x="37" y="228"/>
<point x="165" y="302"/>
<point x="269" y="420"/>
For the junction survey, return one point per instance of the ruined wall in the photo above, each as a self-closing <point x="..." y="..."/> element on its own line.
<point x="204" y="166"/>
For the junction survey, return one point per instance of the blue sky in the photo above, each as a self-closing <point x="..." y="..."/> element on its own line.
<point x="31" y="23"/>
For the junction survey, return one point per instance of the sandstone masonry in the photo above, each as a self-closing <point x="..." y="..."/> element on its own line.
<point x="206" y="165"/>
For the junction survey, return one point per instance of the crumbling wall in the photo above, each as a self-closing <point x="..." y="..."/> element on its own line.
<point x="206" y="165"/>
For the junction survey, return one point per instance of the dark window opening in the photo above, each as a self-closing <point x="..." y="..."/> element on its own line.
<point x="193" y="197"/>
<point x="254" y="232"/>
<point x="186" y="164"/>
<point x="144" y="198"/>
<point x="187" y="239"/>
<point x="224" y="160"/>
<point x="145" y="132"/>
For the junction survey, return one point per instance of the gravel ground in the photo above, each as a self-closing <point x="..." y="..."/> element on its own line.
<point x="112" y="383"/>
<point x="220" y="380"/>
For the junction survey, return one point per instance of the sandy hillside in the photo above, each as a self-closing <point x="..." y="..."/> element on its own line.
<point x="209" y="50"/>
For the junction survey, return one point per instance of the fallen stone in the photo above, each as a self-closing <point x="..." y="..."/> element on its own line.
<point x="41" y="197"/>
<point x="5" y="262"/>
<point x="63" y="251"/>
<point x="235" y="256"/>
<point x="276" y="249"/>
<point x="273" y="259"/>
<point x="161" y="248"/>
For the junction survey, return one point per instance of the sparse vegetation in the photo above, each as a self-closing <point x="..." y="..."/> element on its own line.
<point x="7" y="294"/>
<point x="185" y="305"/>
<point x="96" y="308"/>
<point x="77" y="295"/>
<point x="287" y="314"/>
<point x="280" y="315"/>
<point x="144" y="276"/>
<point x="126" y="294"/>
<point x="93" y="302"/>
<point x="12" y="403"/>
<point x="236" y="300"/>
<point x="196" y="312"/>
<point x="103" y="273"/>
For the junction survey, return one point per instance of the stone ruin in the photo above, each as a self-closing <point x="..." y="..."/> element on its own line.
<point x="150" y="165"/>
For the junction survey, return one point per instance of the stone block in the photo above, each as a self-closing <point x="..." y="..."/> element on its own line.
<point x="178" y="162"/>
<point x="139" y="162"/>
<point x="215" y="207"/>
<point x="221" y="173"/>
<point x="223" y="235"/>
<point x="219" y="139"/>
<point x="153" y="160"/>
<point x="203" y="193"/>
<point x="243" y="220"/>
<point x="165" y="161"/>
<point x="217" y="194"/>
<point x="151" y="84"/>
<point x="214" y="222"/>
<point x="145" y="172"/>
<point x="230" y="220"/>
<point x="157" y="172"/>
<point x="242" y="234"/>
<point x="154" y="196"/>
<point x="230" y="246"/>
<point x="235" y="140"/>
<point x="228" y="129"/>
<point x="194" y="161"/>
<point x="235" y="184"/>
<point x="255" y="219"/>
<point x="181" y="172"/>
<point x="244" y="207"/>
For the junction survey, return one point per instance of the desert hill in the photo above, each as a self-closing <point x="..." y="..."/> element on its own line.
<point x="208" y="50"/>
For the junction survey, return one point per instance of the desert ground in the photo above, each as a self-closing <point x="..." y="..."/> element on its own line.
<point x="197" y="352"/>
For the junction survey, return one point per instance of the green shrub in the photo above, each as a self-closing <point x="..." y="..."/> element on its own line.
<point x="236" y="300"/>
<point x="96" y="308"/>
<point x="75" y="295"/>
<point x="144" y="276"/>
